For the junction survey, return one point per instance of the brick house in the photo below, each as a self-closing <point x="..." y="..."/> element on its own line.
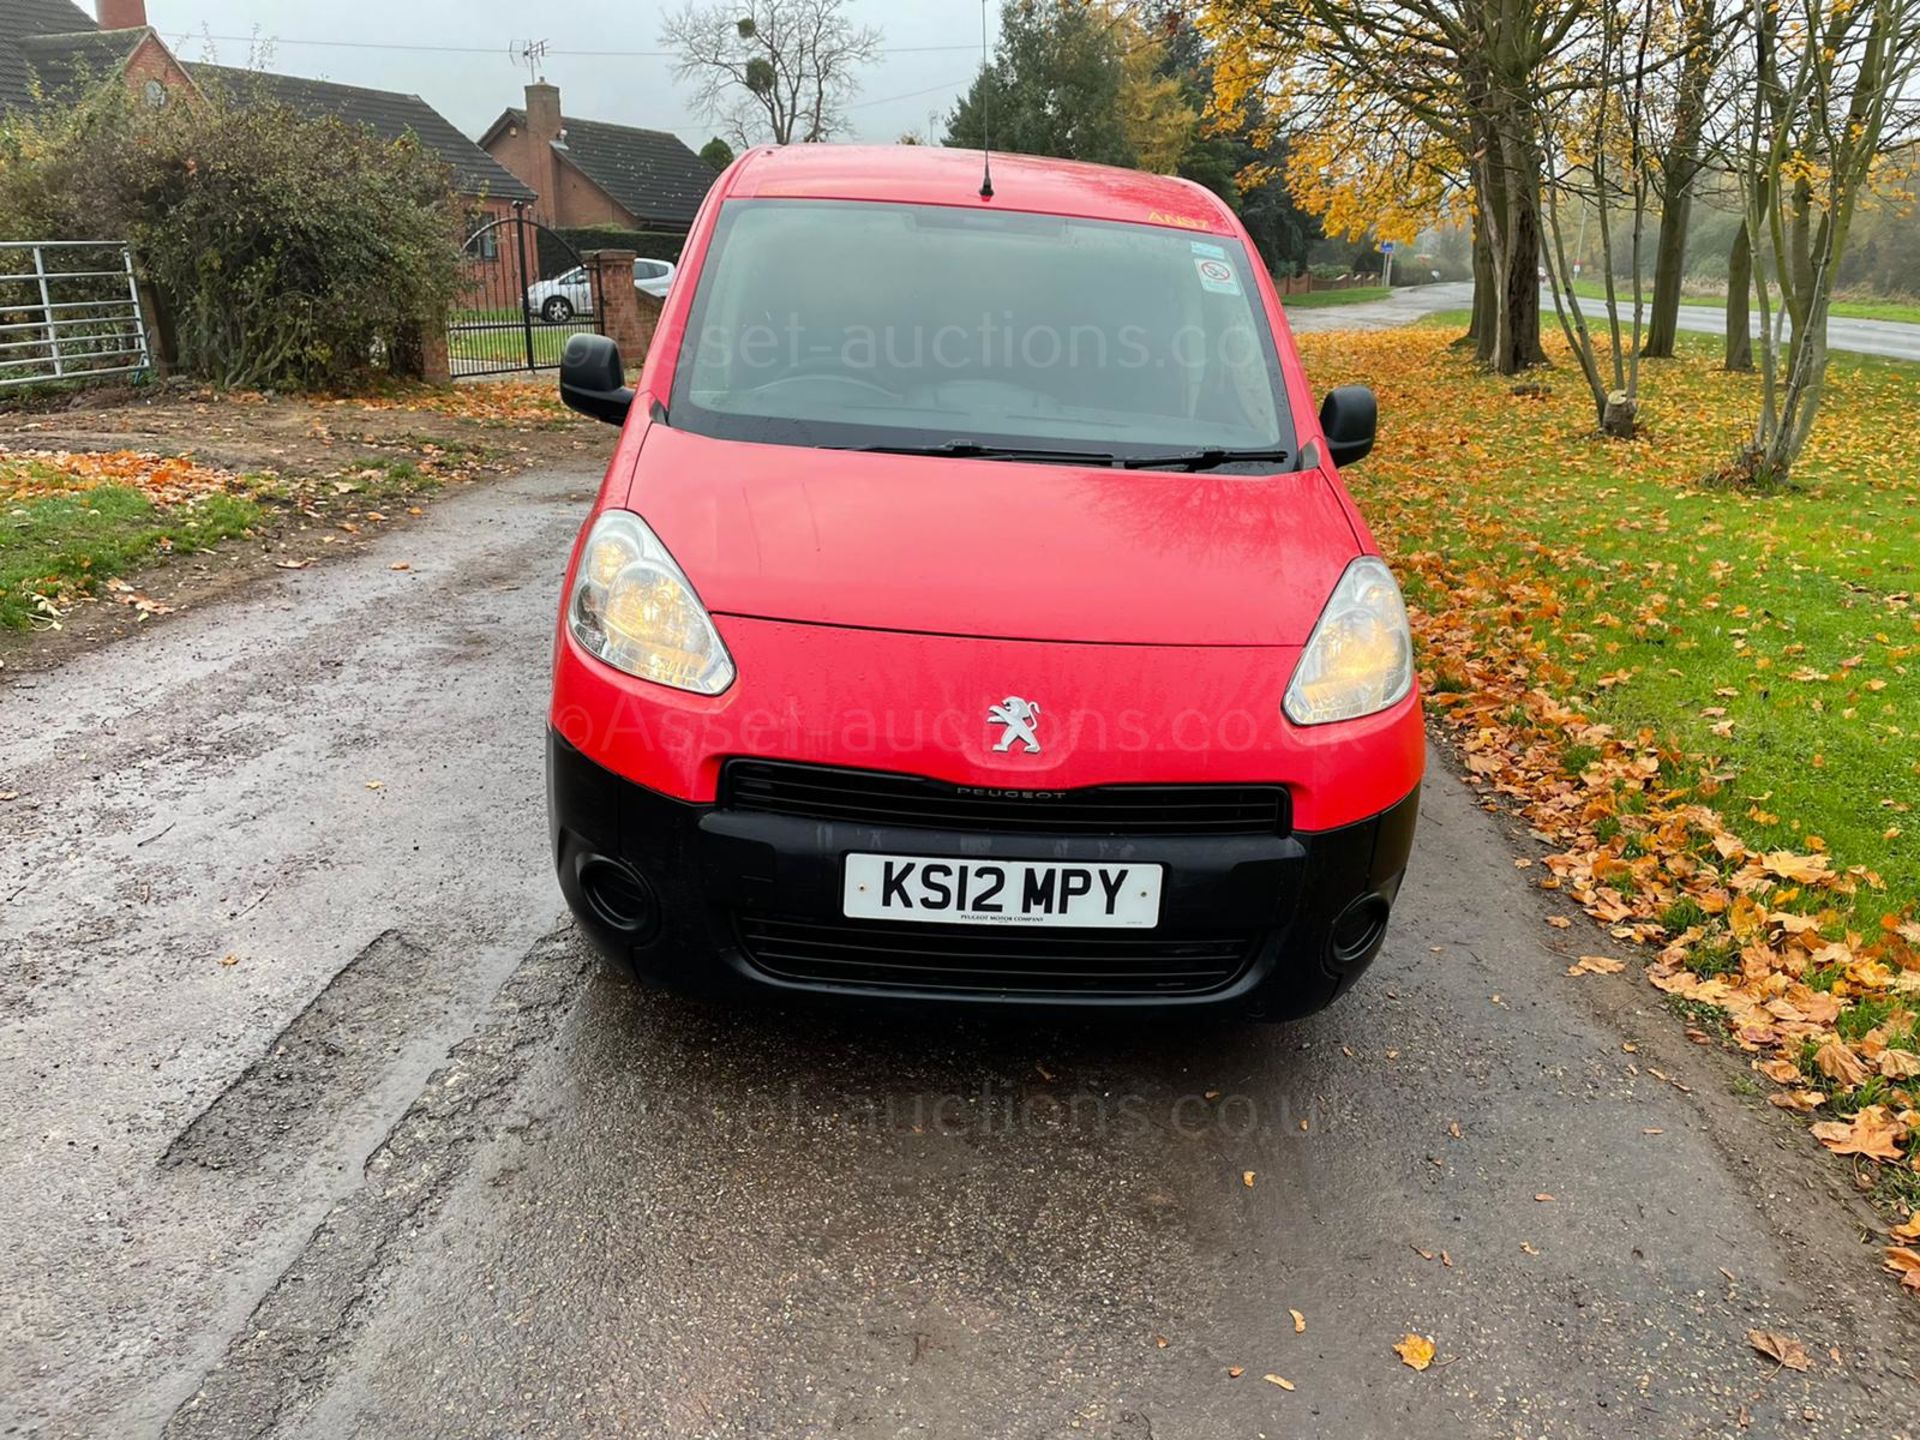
<point x="595" y="173"/>
<point x="49" y="49"/>
<point x="53" y="52"/>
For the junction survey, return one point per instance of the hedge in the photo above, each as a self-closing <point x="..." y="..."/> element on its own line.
<point x="647" y="244"/>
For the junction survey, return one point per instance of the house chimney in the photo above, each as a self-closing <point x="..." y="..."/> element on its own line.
<point x="545" y="129"/>
<point x="122" y="14"/>
<point x="543" y="110"/>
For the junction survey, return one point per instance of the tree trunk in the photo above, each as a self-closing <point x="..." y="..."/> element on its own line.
<point x="1508" y="183"/>
<point x="1669" y="268"/>
<point x="1797" y="285"/>
<point x="1678" y="169"/>
<point x="1618" y="416"/>
<point x="1523" y="286"/>
<point x="1739" y="355"/>
<point x="1486" y="295"/>
<point x="163" y="344"/>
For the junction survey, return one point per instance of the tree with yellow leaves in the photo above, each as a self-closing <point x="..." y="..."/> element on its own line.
<point x="1415" y="99"/>
<point x="1154" y="113"/>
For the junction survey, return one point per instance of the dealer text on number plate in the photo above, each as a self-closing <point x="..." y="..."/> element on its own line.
<point x="938" y="890"/>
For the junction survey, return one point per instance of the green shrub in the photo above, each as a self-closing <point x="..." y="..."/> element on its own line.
<point x="285" y="252"/>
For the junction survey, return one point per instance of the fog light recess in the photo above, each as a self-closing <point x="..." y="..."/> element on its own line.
<point x="1358" y="930"/>
<point x="619" y="896"/>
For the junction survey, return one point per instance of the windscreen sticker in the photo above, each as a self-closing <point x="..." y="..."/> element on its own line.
<point x="1217" y="275"/>
<point x="1216" y="252"/>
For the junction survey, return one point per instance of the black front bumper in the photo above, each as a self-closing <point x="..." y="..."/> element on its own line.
<point x="715" y="900"/>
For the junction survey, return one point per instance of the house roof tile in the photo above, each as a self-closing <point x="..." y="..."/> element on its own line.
<point x="23" y="20"/>
<point x="47" y="47"/>
<point x="387" y="113"/>
<point x="651" y="173"/>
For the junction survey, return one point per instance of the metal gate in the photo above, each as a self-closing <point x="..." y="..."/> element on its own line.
<point x="69" y="310"/>
<point x="524" y="290"/>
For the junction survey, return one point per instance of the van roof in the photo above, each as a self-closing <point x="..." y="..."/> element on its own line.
<point x="938" y="175"/>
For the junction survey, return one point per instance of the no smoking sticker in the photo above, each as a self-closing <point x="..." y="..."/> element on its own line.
<point x="1217" y="276"/>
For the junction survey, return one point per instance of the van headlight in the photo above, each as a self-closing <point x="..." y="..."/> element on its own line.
<point x="1360" y="657"/>
<point x="633" y="607"/>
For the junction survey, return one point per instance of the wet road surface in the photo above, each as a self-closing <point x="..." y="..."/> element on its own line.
<point x="413" y="1164"/>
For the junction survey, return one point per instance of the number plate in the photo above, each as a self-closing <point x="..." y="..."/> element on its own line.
<point x="936" y="891"/>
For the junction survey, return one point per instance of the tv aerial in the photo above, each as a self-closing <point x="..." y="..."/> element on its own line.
<point x="530" y="54"/>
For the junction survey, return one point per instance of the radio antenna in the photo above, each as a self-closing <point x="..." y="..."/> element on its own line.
<point x="986" y="111"/>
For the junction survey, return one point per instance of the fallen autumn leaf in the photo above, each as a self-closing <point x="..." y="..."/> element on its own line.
<point x="1781" y="1348"/>
<point x="1415" y="1352"/>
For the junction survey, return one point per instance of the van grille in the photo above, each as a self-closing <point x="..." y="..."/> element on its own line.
<point x="987" y="959"/>
<point x="877" y="798"/>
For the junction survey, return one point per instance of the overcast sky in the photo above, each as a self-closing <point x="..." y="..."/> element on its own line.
<point x="471" y="89"/>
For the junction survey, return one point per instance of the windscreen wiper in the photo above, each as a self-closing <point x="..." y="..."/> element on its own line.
<point x="1207" y="459"/>
<point x="975" y="450"/>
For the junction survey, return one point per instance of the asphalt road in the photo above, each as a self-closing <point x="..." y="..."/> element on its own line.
<point x="1402" y="307"/>
<point x="412" y="1165"/>
<point x="1892" y="339"/>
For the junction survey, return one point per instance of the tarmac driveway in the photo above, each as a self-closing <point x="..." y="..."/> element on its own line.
<point x="324" y="1123"/>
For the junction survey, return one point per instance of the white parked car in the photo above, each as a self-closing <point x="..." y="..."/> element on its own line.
<point x="560" y="299"/>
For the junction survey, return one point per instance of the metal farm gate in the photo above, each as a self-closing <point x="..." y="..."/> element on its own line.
<point x="524" y="291"/>
<point x="69" y="310"/>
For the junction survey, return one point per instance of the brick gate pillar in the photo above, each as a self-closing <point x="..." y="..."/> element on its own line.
<point x="621" y="319"/>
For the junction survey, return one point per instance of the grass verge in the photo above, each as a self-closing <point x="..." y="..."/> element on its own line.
<point x="1321" y="299"/>
<point x="1705" y="699"/>
<point x="73" y="523"/>
<point x="69" y="525"/>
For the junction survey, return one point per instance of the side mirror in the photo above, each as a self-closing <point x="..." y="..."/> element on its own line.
<point x="1348" y="418"/>
<point x="592" y="380"/>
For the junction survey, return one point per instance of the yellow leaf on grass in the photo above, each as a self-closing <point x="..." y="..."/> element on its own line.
<point x="1805" y="869"/>
<point x="1799" y="1101"/>
<point x="1899" y="1064"/>
<point x="1415" y="1352"/>
<point x="1837" y="1062"/>
<point x="1872" y="1132"/>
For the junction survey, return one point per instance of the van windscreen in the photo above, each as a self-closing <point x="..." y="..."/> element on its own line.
<point x="851" y="323"/>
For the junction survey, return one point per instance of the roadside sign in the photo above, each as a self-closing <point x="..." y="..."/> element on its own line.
<point x="1386" y="247"/>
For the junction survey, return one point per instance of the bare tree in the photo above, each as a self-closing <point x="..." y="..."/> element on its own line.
<point x="1679" y="168"/>
<point x="1833" y="90"/>
<point x="1596" y="145"/>
<point x="771" y="69"/>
